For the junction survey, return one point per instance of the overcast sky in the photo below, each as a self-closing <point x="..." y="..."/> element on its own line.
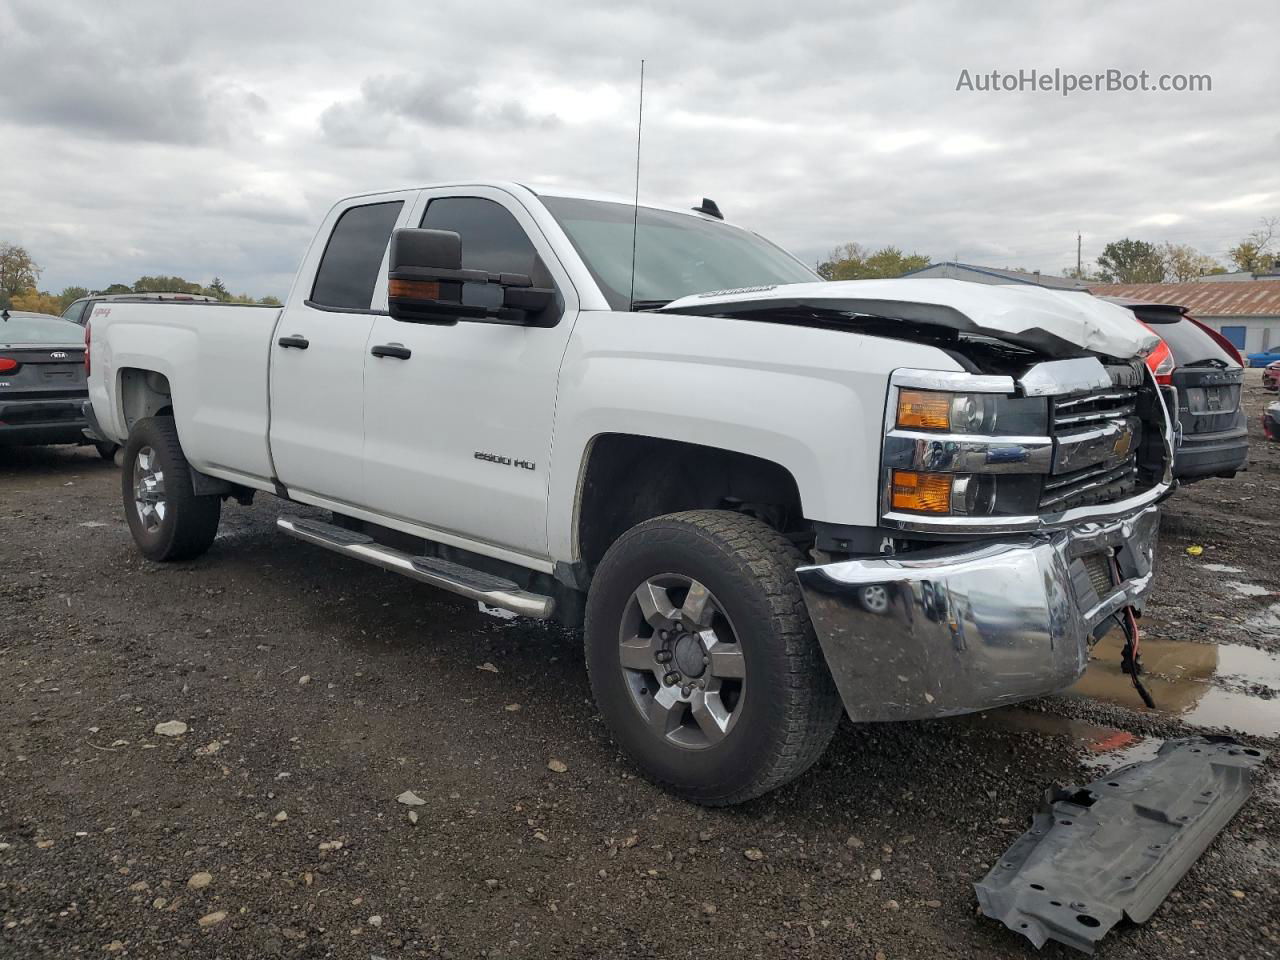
<point x="208" y="139"/>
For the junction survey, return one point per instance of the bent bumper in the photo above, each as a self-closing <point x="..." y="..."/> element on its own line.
<point x="956" y="629"/>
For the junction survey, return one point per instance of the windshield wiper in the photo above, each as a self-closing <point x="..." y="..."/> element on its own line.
<point x="648" y="304"/>
<point x="1208" y="362"/>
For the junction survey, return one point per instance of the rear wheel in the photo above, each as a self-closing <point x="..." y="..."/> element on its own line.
<point x="168" y="521"/>
<point x="702" y="658"/>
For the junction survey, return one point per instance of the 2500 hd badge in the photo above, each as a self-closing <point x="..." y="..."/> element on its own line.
<point x="505" y="461"/>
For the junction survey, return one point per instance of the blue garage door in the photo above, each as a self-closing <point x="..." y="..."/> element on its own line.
<point x="1235" y="335"/>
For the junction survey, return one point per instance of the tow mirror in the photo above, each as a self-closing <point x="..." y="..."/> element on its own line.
<point x="427" y="284"/>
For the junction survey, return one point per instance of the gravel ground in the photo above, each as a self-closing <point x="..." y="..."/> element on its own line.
<point x="315" y="691"/>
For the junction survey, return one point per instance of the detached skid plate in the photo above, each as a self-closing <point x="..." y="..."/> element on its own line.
<point x="1116" y="847"/>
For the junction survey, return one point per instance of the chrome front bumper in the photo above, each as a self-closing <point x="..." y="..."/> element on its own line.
<point x="956" y="629"/>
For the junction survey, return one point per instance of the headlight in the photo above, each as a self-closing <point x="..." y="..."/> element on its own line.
<point x="981" y="414"/>
<point x="963" y="495"/>
<point x="953" y="412"/>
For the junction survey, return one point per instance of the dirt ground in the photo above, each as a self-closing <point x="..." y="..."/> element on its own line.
<point x="316" y="691"/>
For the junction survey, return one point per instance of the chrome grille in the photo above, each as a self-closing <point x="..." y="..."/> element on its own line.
<point x="1113" y="472"/>
<point x="1100" y="483"/>
<point x="1094" y="408"/>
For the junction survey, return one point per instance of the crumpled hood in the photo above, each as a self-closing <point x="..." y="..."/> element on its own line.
<point x="1057" y="322"/>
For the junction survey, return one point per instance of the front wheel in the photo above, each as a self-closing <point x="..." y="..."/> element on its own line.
<point x="168" y="521"/>
<point x="702" y="659"/>
<point x="106" y="449"/>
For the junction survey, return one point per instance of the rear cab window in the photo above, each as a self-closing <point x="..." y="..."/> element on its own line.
<point x="352" y="260"/>
<point x="75" y="312"/>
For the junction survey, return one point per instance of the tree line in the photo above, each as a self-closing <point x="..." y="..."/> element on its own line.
<point x="1121" y="261"/>
<point x="20" y="274"/>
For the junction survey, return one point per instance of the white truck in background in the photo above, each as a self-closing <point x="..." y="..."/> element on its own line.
<point x="768" y="497"/>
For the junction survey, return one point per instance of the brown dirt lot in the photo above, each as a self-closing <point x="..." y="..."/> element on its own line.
<point x="322" y="689"/>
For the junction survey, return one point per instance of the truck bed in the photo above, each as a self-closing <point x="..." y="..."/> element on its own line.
<point x="215" y="358"/>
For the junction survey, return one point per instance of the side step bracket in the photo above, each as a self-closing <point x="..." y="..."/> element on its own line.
<point x="476" y="584"/>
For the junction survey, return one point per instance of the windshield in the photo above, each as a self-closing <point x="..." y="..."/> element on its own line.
<point x="676" y="254"/>
<point x="44" y="330"/>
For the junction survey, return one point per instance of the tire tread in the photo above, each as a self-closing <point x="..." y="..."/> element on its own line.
<point x="813" y="707"/>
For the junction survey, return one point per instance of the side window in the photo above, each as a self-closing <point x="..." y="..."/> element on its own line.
<point x="348" y="270"/>
<point x="492" y="240"/>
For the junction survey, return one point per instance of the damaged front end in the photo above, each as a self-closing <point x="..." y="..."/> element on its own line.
<point x="1020" y="518"/>
<point x="1018" y="493"/>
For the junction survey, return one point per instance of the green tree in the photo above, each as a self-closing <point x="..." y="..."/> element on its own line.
<point x="1253" y="254"/>
<point x="1183" y="262"/>
<point x="218" y="289"/>
<point x="852" y="261"/>
<point x="270" y="301"/>
<point x="1130" y="261"/>
<point x="116" y="288"/>
<point x="70" y="295"/>
<point x="162" y="284"/>
<point x="18" y="272"/>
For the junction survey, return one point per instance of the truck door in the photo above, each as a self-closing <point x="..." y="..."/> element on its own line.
<point x="458" y="422"/>
<point x="318" y="350"/>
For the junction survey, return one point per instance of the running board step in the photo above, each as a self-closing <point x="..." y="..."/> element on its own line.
<point x="476" y="584"/>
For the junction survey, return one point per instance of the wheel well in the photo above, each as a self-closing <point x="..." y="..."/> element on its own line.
<point x="144" y="393"/>
<point x="629" y="479"/>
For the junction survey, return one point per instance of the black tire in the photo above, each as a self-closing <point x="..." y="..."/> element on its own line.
<point x="789" y="705"/>
<point x="106" y="449"/>
<point x="189" y="522"/>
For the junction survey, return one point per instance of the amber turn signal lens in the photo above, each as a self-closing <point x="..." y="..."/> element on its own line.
<point x="926" y="492"/>
<point x="924" y="408"/>
<point x="413" y="289"/>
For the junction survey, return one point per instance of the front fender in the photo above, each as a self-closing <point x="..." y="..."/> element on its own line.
<point x="808" y="399"/>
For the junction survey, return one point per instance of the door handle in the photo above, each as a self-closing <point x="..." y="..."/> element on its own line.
<point x="300" y="343"/>
<point x="395" y="350"/>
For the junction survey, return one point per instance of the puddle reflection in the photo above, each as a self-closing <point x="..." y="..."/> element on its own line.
<point x="1197" y="682"/>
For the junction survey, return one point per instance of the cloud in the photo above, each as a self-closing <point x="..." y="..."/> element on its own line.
<point x="433" y="100"/>
<point x="204" y="139"/>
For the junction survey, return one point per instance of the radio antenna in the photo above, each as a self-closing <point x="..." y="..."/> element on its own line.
<point x="635" y="217"/>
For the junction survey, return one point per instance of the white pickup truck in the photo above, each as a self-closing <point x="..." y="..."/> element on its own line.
<point x="768" y="497"/>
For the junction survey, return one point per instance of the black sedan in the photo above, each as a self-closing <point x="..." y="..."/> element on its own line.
<point x="42" y="380"/>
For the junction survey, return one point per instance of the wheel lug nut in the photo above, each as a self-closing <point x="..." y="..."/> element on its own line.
<point x="663" y="656"/>
<point x="671" y="679"/>
<point x="686" y="689"/>
<point x="665" y="634"/>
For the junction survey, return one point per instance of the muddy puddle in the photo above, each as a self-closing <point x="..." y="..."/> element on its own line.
<point x="1265" y="622"/>
<point x="1207" y="685"/>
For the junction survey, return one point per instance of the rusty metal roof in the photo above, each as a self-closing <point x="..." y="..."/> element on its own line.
<point x="1248" y="298"/>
